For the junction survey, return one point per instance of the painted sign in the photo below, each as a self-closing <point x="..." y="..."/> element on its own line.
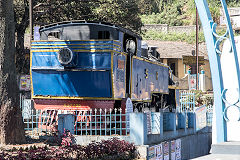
<point x="129" y="109"/>
<point x="155" y="152"/>
<point x="36" y="33"/>
<point x="159" y="151"/>
<point x="173" y="153"/>
<point x="151" y="153"/>
<point x="25" y="83"/>
<point x="178" y="149"/>
<point x="201" y="117"/>
<point x="166" y="150"/>
<point x="192" y="60"/>
<point x="192" y="81"/>
<point x="121" y="64"/>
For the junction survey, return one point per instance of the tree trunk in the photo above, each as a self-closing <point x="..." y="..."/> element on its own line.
<point x="22" y="65"/>
<point x="11" y="124"/>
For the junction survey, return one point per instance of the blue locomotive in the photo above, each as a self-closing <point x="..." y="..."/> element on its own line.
<point x="82" y="65"/>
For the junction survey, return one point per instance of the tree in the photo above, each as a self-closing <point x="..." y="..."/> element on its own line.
<point x="21" y="16"/>
<point x="120" y="12"/>
<point x="125" y="13"/>
<point x="11" y="124"/>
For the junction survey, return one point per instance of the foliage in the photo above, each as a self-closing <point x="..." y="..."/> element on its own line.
<point x="176" y="12"/>
<point x="173" y="36"/>
<point x="202" y="98"/>
<point x="171" y="15"/>
<point x="121" y="12"/>
<point x="67" y="139"/>
<point x="233" y="3"/>
<point x="106" y="149"/>
<point x="112" y="147"/>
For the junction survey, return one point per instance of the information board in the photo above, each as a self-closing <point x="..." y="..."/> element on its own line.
<point x="129" y="109"/>
<point x="201" y="117"/>
<point x="159" y="151"/>
<point x="192" y="79"/>
<point x="166" y="150"/>
<point x="178" y="149"/>
<point x="173" y="148"/>
<point x="25" y="83"/>
<point x="151" y="153"/>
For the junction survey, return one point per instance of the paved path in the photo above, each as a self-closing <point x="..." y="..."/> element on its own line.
<point x="219" y="157"/>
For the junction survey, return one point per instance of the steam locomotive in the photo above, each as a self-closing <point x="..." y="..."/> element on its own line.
<point x="82" y="65"/>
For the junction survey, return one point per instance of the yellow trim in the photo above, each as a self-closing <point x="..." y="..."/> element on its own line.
<point x="123" y="53"/>
<point x="64" y="44"/>
<point x="112" y="74"/>
<point x="149" y="100"/>
<point x="130" y="95"/>
<point x="31" y="73"/>
<point x="125" y="74"/>
<point x="141" y="100"/>
<point x="158" y="93"/>
<point x="80" y="98"/>
<point x="142" y="59"/>
<point x="90" y="50"/>
<point x="173" y="87"/>
<point x="73" y="40"/>
<point x="68" y="47"/>
<point x="118" y="41"/>
<point x="87" y="44"/>
<point x="91" y="47"/>
<point x="38" y="51"/>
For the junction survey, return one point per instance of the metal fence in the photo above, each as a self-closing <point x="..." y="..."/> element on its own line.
<point x="209" y="115"/>
<point x="87" y="122"/>
<point x="187" y="101"/>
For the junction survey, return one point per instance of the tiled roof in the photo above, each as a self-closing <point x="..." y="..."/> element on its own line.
<point x="170" y="49"/>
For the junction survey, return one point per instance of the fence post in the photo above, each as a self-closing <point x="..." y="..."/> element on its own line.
<point x="191" y="120"/>
<point x="181" y="120"/>
<point x="169" y="121"/>
<point x="66" y="121"/>
<point x="138" y="128"/>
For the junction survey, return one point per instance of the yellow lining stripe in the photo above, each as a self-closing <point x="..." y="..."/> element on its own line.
<point x="91" y="40"/>
<point x="80" y="98"/>
<point x="75" y="40"/>
<point x="31" y="74"/>
<point x="173" y="87"/>
<point x="90" y="50"/>
<point x="87" y="44"/>
<point x="75" y="47"/>
<point x="131" y="77"/>
<point x="112" y="76"/>
<point x="142" y="59"/>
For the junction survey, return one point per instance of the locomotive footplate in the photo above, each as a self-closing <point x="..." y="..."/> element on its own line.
<point x="64" y="104"/>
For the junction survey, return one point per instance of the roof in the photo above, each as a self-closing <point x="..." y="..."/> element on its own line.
<point x="82" y="22"/>
<point x="170" y="49"/>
